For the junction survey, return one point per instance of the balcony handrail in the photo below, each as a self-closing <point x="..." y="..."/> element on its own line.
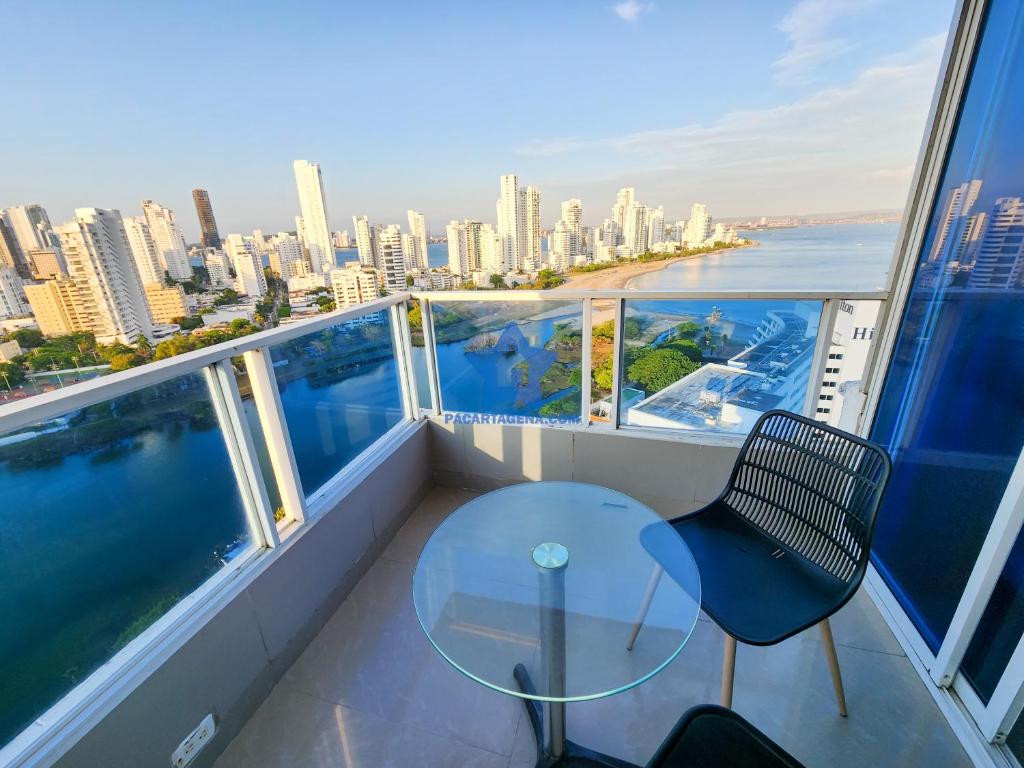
<point x="568" y="294"/>
<point x="49" y="405"/>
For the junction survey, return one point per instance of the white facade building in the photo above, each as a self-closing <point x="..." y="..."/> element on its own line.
<point x="366" y="241"/>
<point x="1000" y="257"/>
<point x="168" y="240"/>
<point x="248" y="266"/>
<point x="623" y="200"/>
<point x="655" y="226"/>
<point x="840" y="398"/>
<point x="287" y="259"/>
<point x="31" y="227"/>
<point x="390" y="259"/>
<point x="143" y="248"/>
<point x="698" y="229"/>
<point x="531" y="213"/>
<point x="634" y="231"/>
<point x="511" y="210"/>
<point x="458" y="248"/>
<point x="313" y="203"/>
<point x="417" y="259"/>
<point x="12" y="294"/>
<point x="108" y="290"/>
<point x="355" y="284"/>
<point x="218" y="267"/>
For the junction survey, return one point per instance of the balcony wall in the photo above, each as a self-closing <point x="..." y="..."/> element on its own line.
<point x="251" y="637"/>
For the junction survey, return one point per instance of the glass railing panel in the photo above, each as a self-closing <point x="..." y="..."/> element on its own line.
<point x="419" y="356"/>
<point x="715" y="365"/>
<point x="259" y="439"/>
<point x="340" y="392"/>
<point x="111" y="514"/>
<point x="510" y="358"/>
<point x="602" y="353"/>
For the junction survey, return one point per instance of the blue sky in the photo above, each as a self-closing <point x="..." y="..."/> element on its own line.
<point x="753" y="106"/>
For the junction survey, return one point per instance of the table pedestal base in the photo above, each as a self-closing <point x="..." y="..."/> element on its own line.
<point x="561" y="753"/>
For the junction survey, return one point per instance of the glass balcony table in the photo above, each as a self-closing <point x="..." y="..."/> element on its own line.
<point x="532" y="590"/>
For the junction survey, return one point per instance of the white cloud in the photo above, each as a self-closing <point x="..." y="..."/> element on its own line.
<point x="809" y="29"/>
<point x="630" y="10"/>
<point x="864" y="132"/>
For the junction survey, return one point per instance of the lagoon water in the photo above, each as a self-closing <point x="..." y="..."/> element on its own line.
<point x="97" y="540"/>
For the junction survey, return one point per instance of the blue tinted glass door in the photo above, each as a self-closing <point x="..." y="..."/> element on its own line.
<point x="951" y="411"/>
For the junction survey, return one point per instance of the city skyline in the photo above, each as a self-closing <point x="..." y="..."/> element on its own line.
<point x="795" y="78"/>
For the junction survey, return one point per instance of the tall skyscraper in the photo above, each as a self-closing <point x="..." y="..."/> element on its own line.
<point x="249" y="277"/>
<point x="655" y="226"/>
<point x="458" y="248"/>
<point x="390" y="259"/>
<point x="534" y="253"/>
<point x="287" y="258"/>
<point x="12" y="294"/>
<point x="512" y="223"/>
<point x="959" y="203"/>
<point x="11" y="255"/>
<point x="313" y="203"/>
<point x="366" y="241"/>
<point x="418" y="231"/>
<point x="1000" y="260"/>
<point x="143" y="250"/>
<point x="623" y="200"/>
<point x="634" y="232"/>
<point x="106" y="295"/>
<point x="208" y="234"/>
<point x="699" y="227"/>
<point x="31" y="227"/>
<point x="168" y="240"/>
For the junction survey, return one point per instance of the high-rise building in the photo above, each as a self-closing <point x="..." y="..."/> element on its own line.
<point x="58" y="307"/>
<point x="512" y="223"/>
<point x="31" y="227"/>
<point x="634" y="232"/>
<point x="341" y="239"/>
<point x="699" y="227"/>
<point x="208" y="234"/>
<point x="143" y="250"/>
<point x="47" y="263"/>
<point x="12" y="294"/>
<point x="409" y="251"/>
<point x="355" y="284"/>
<point x="959" y="204"/>
<point x="458" y="248"/>
<point x="418" y="231"/>
<point x="561" y="246"/>
<point x="11" y="255"/>
<point x="655" y="226"/>
<point x="366" y="241"/>
<point x="534" y="254"/>
<point x="313" y="203"/>
<point x="623" y="200"/>
<point x="249" y="277"/>
<point x="286" y="257"/>
<point x="390" y="259"/>
<point x="493" y="250"/>
<point x="218" y="267"/>
<point x="168" y="240"/>
<point x="105" y="295"/>
<point x="1000" y="260"/>
<point x="473" y="247"/>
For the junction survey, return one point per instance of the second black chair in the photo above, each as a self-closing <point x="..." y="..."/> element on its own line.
<point x="786" y="544"/>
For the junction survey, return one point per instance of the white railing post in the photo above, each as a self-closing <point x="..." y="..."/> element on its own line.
<point x="822" y="343"/>
<point x="617" y="360"/>
<point x="275" y="431"/>
<point x="403" y="360"/>
<point x="586" y="362"/>
<point x="227" y="403"/>
<point x="430" y="350"/>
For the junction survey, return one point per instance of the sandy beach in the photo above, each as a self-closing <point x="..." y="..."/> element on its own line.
<point x="618" y="277"/>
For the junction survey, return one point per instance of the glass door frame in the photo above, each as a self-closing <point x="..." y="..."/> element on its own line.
<point x="987" y="724"/>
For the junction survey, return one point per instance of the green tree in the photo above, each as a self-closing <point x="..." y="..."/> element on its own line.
<point x="688" y="347"/>
<point x="688" y="329"/>
<point x="605" y="331"/>
<point x="415" y="316"/>
<point x="498" y="282"/>
<point x="656" y="369"/>
<point x="325" y="303"/>
<point x="603" y="374"/>
<point x="11" y="375"/>
<point x="29" y="337"/>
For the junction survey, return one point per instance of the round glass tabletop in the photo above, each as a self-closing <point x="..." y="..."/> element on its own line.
<point x="552" y="576"/>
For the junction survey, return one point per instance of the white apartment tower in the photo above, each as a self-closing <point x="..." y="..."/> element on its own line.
<point x="623" y="200"/>
<point x="143" y="250"/>
<point x="31" y="227"/>
<point x="699" y="228"/>
<point x="531" y="213"/>
<point x="313" y="203"/>
<point x="634" y="230"/>
<point x="959" y="203"/>
<point x="512" y="223"/>
<point x="390" y="259"/>
<point x="108" y="291"/>
<point x="12" y="294"/>
<point x="168" y="240"/>
<point x="655" y="226"/>
<point x="249" y="277"/>
<point x="366" y="241"/>
<point x="418" y="231"/>
<point x="458" y="248"/>
<point x="353" y="285"/>
<point x="287" y="258"/>
<point x="1000" y="260"/>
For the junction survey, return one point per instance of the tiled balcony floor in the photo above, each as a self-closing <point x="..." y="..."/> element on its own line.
<point x="370" y="691"/>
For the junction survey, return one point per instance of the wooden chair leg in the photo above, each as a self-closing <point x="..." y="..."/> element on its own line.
<point x="728" y="670"/>
<point x="645" y="605"/>
<point x="833" y="666"/>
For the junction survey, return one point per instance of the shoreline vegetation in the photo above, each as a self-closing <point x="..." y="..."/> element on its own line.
<point x="618" y="274"/>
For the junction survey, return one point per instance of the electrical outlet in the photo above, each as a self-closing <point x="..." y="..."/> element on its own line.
<point x="195" y="741"/>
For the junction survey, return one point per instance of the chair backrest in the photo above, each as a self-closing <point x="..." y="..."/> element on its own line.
<point x="812" y="488"/>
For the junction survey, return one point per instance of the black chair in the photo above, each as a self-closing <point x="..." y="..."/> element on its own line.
<point x="715" y="737"/>
<point x="786" y="543"/>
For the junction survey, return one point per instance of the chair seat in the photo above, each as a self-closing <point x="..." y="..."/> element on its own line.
<point x="756" y="590"/>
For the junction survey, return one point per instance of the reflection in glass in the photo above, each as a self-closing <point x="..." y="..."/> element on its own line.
<point x="602" y="353"/>
<point x="340" y="393"/>
<point x="111" y="514"/>
<point x="514" y="358"/>
<point x="703" y="365"/>
<point x="951" y="412"/>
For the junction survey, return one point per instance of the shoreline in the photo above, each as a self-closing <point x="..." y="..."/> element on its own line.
<point x="618" y="278"/>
